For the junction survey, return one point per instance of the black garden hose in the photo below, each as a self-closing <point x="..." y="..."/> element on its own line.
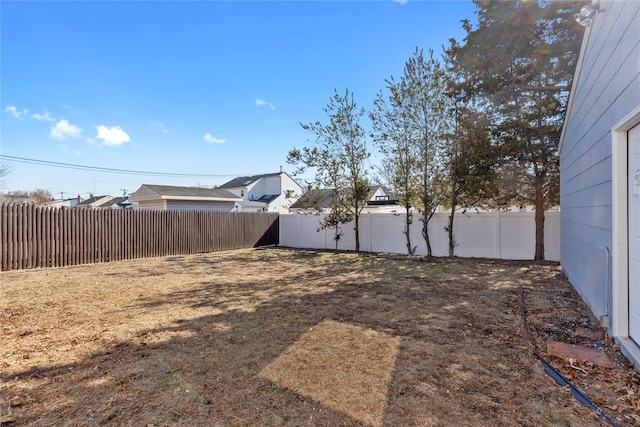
<point x="557" y="376"/>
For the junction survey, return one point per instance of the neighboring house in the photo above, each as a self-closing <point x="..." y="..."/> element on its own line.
<point x="600" y="173"/>
<point x="171" y="198"/>
<point x="319" y="200"/>
<point x="93" y="202"/>
<point x="380" y="196"/>
<point x="117" y="203"/>
<point x="381" y="200"/>
<point x="273" y="192"/>
<point x="67" y="203"/>
<point x="314" y="200"/>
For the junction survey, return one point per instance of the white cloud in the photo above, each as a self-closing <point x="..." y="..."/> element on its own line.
<point x="260" y="103"/>
<point x="401" y="1"/>
<point x="161" y="126"/>
<point x="112" y="136"/>
<point x="45" y="117"/>
<point x="63" y="129"/>
<point x="11" y="109"/>
<point x="212" y="140"/>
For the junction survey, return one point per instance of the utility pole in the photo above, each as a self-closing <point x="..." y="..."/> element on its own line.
<point x="124" y="192"/>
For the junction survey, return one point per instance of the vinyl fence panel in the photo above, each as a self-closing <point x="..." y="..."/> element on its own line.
<point x="501" y="235"/>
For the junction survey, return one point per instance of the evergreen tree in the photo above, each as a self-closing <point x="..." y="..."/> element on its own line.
<point x="472" y="158"/>
<point x="521" y="57"/>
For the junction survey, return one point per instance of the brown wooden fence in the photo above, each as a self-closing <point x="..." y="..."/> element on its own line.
<point x="33" y="236"/>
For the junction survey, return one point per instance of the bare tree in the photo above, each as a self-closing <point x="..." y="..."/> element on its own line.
<point x="339" y="156"/>
<point x="395" y="135"/>
<point x="5" y="169"/>
<point x="427" y="107"/>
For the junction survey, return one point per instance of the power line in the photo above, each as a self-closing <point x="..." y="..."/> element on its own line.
<point x="109" y="170"/>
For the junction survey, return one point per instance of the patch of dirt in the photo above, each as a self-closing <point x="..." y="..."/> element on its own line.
<point x="304" y="338"/>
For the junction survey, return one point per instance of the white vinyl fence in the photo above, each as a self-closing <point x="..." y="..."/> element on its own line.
<point x="501" y="235"/>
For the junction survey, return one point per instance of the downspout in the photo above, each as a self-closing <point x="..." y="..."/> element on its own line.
<point x="604" y="319"/>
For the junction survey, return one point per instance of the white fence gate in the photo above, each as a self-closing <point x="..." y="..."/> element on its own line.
<point x="501" y="235"/>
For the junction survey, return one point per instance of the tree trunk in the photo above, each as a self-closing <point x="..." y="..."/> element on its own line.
<point x="452" y="241"/>
<point x="539" y="207"/>
<point x="407" y="228"/>
<point x="356" y="218"/>
<point x="425" y="233"/>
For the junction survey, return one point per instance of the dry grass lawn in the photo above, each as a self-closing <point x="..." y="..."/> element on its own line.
<point x="298" y="338"/>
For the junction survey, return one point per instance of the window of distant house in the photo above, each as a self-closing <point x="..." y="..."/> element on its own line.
<point x="379" y="198"/>
<point x="241" y="193"/>
<point x="288" y="194"/>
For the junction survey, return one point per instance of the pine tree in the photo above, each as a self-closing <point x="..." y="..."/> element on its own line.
<point x="521" y="57"/>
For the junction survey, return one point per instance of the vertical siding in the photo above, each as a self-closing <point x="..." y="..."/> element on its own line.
<point x="606" y="89"/>
<point x="32" y="236"/>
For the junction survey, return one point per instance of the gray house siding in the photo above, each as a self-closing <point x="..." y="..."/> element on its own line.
<point x="178" y="205"/>
<point x="606" y="89"/>
<point x="152" y="205"/>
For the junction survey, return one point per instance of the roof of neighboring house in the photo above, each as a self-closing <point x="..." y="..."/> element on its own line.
<point x="316" y="199"/>
<point x="321" y="198"/>
<point x="267" y="198"/>
<point x="382" y="202"/>
<point x="91" y="200"/>
<point x="390" y="195"/>
<point x="243" y="181"/>
<point x="114" y="201"/>
<point x="193" y="193"/>
<point x="71" y="201"/>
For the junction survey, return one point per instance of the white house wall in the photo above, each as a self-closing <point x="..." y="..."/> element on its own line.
<point x="279" y="185"/>
<point x="272" y="184"/>
<point x="606" y="89"/>
<point x="267" y="185"/>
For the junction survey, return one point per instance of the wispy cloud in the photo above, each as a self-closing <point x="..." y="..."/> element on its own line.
<point x="261" y="104"/>
<point x="112" y="136"/>
<point x="160" y="126"/>
<point x="66" y="149"/>
<point x="401" y="1"/>
<point x="43" y="117"/>
<point x="11" y="109"/>
<point x="63" y="129"/>
<point x="213" y="140"/>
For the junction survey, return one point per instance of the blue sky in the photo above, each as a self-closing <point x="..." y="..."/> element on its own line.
<point x="207" y="88"/>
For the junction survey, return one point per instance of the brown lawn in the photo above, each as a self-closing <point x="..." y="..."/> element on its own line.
<point x="300" y="338"/>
